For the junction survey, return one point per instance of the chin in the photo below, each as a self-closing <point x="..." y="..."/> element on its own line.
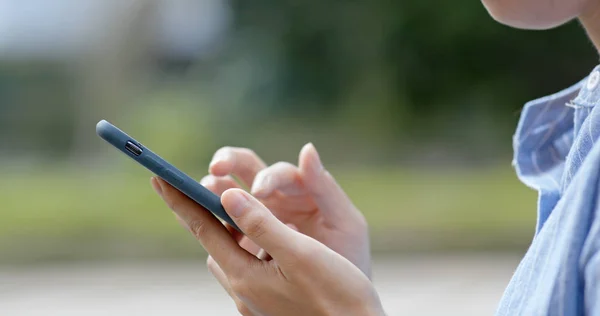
<point x="532" y="14"/>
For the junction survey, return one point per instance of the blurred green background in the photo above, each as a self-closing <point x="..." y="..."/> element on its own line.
<point x="412" y="105"/>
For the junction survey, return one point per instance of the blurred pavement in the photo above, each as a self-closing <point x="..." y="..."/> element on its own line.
<point x="411" y="285"/>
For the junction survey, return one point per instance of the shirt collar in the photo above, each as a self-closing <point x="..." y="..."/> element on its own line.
<point x="549" y="130"/>
<point x="543" y="139"/>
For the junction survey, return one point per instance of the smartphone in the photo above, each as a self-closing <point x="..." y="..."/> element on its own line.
<point x="179" y="180"/>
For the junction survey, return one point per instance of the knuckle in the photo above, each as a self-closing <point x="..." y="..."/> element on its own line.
<point x="283" y="166"/>
<point x="256" y="226"/>
<point x="247" y="152"/>
<point x="198" y="228"/>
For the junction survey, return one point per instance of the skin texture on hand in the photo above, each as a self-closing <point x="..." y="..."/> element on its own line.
<point x="305" y="196"/>
<point x="301" y="277"/>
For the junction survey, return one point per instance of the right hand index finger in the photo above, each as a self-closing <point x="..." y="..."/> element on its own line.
<point x="240" y="162"/>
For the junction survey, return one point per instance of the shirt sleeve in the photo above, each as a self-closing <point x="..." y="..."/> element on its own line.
<point x="590" y="262"/>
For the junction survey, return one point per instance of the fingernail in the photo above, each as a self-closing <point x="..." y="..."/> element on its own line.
<point x="163" y="186"/>
<point x="213" y="162"/>
<point x="156" y="186"/>
<point x="260" y="186"/>
<point x="219" y="156"/>
<point x="235" y="202"/>
<point x="207" y="180"/>
<point x="317" y="166"/>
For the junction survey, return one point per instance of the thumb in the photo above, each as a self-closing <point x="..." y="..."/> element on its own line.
<point x="258" y="223"/>
<point x="329" y="197"/>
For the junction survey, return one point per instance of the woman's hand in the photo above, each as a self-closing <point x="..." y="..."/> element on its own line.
<point x="306" y="196"/>
<point x="304" y="277"/>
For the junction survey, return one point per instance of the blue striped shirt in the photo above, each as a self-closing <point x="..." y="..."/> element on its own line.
<point x="556" y="153"/>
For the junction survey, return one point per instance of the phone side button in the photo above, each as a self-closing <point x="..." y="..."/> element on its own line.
<point x="154" y="164"/>
<point x="174" y="177"/>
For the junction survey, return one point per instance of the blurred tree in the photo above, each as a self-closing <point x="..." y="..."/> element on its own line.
<point x="110" y="71"/>
<point x="32" y="106"/>
<point x="408" y="61"/>
<point x="387" y="74"/>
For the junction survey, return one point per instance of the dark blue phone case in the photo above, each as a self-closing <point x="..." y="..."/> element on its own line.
<point x="163" y="169"/>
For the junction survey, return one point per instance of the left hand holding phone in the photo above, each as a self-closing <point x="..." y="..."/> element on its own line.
<point x="301" y="277"/>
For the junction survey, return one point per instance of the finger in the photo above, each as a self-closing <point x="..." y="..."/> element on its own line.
<point x="240" y="162"/>
<point x="237" y="236"/>
<point x="207" y="229"/>
<point x="281" y="176"/>
<point x="221" y="277"/>
<point x="263" y="255"/>
<point x="245" y="243"/>
<point x="259" y="224"/>
<point x="156" y="186"/>
<point x="218" y="273"/>
<point x="326" y="193"/>
<point x="218" y="185"/>
<point x="180" y="221"/>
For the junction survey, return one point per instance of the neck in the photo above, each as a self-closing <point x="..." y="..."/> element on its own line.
<point x="591" y="22"/>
